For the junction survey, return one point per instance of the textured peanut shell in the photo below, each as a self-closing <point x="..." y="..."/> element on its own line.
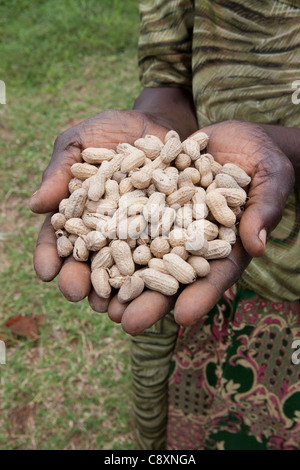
<point x="112" y="190"/>
<point x="117" y="282"/>
<point x="177" y="237"/>
<point x="235" y="197"/>
<point x="97" y="155"/>
<point x="196" y="244"/>
<point x="150" y="145"/>
<point x="94" y="240"/>
<point x="218" y="249"/>
<point x="91" y="220"/>
<point x="171" y="149"/>
<point x="80" y="250"/>
<point x="159" y="247"/>
<point x="192" y="148"/>
<point x="64" y="246"/>
<point x="171" y="134"/>
<point x="237" y="173"/>
<point x="181" y="196"/>
<point x="76" y="226"/>
<point x="193" y="174"/>
<point x="58" y="221"/>
<point x="130" y="289"/>
<point x="76" y="203"/>
<point x="219" y="208"/>
<point x="122" y="256"/>
<point x="135" y="160"/>
<point x="160" y="282"/>
<point x="62" y="206"/>
<point x="202" y="139"/>
<point x="206" y="228"/>
<point x="163" y="183"/>
<point x="83" y="170"/>
<point x="158" y="265"/>
<point x="200" y="265"/>
<point x="182" y="161"/>
<point x="107" y="207"/>
<point x="125" y="186"/>
<point x="99" y="278"/>
<point x="74" y="183"/>
<point x="223" y="180"/>
<point x="180" y="269"/>
<point x="97" y="186"/>
<point x="180" y="251"/>
<point x="228" y="234"/>
<point x="204" y="167"/>
<point x="167" y="220"/>
<point x="140" y="179"/>
<point x="109" y="168"/>
<point x="184" y="180"/>
<point x="102" y="259"/>
<point x="142" y="255"/>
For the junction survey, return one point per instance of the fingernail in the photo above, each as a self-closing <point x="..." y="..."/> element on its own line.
<point x="263" y="236"/>
<point x="33" y="201"/>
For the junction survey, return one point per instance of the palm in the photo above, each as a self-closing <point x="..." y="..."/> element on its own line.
<point x="106" y="129"/>
<point x="236" y="142"/>
<point x="248" y="146"/>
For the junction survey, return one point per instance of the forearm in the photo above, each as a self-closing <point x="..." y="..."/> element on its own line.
<point x="169" y="107"/>
<point x="288" y="140"/>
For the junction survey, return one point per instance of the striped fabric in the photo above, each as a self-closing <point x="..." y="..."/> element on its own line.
<point x="165" y="43"/>
<point x="240" y="60"/>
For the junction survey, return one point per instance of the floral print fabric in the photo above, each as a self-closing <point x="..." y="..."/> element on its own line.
<point x="233" y="384"/>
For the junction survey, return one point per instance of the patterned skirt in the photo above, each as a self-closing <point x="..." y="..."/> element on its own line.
<point x="232" y="381"/>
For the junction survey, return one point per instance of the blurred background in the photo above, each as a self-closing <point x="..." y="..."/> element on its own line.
<point x="66" y="381"/>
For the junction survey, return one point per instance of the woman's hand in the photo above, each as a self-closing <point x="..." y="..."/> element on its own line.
<point x="106" y="129"/>
<point x="242" y="143"/>
<point x="273" y="178"/>
<point x="248" y="146"/>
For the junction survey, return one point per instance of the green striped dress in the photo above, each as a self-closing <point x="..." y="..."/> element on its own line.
<point x="229" y="382"/>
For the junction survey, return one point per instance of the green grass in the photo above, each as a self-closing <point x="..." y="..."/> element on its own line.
<point x="45" y="41"/>
<point x="62" y="61"/>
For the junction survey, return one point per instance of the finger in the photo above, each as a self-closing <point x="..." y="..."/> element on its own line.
<point x="53" y="189"/>
<point x="199" y="298"/>
<point x="56" y="177"/>
<point x="98" y="304"/>
<point x="74" y="279"/>
<point x="116" y="309"/>
<point x="47" y="263"/>
<point x="145" y="310"/>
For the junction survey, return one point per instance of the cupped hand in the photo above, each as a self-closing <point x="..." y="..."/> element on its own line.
<point x="272" y="174"/>
<point x="238" y="142"/>
<point x="106" y="129"/>
<point x="248" y="146"/>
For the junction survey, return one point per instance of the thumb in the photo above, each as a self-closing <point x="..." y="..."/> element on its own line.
<point x="56" y="177"/>
<point x="53" y="189"/>
<point x="268" y="193"/>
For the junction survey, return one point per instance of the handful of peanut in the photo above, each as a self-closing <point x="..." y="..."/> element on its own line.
<point x="152" y="214"/>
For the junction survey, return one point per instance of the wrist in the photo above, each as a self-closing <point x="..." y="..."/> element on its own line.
<point x="172" y="108"/>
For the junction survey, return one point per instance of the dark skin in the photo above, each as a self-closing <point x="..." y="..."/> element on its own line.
<point x="253" y="147"/>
